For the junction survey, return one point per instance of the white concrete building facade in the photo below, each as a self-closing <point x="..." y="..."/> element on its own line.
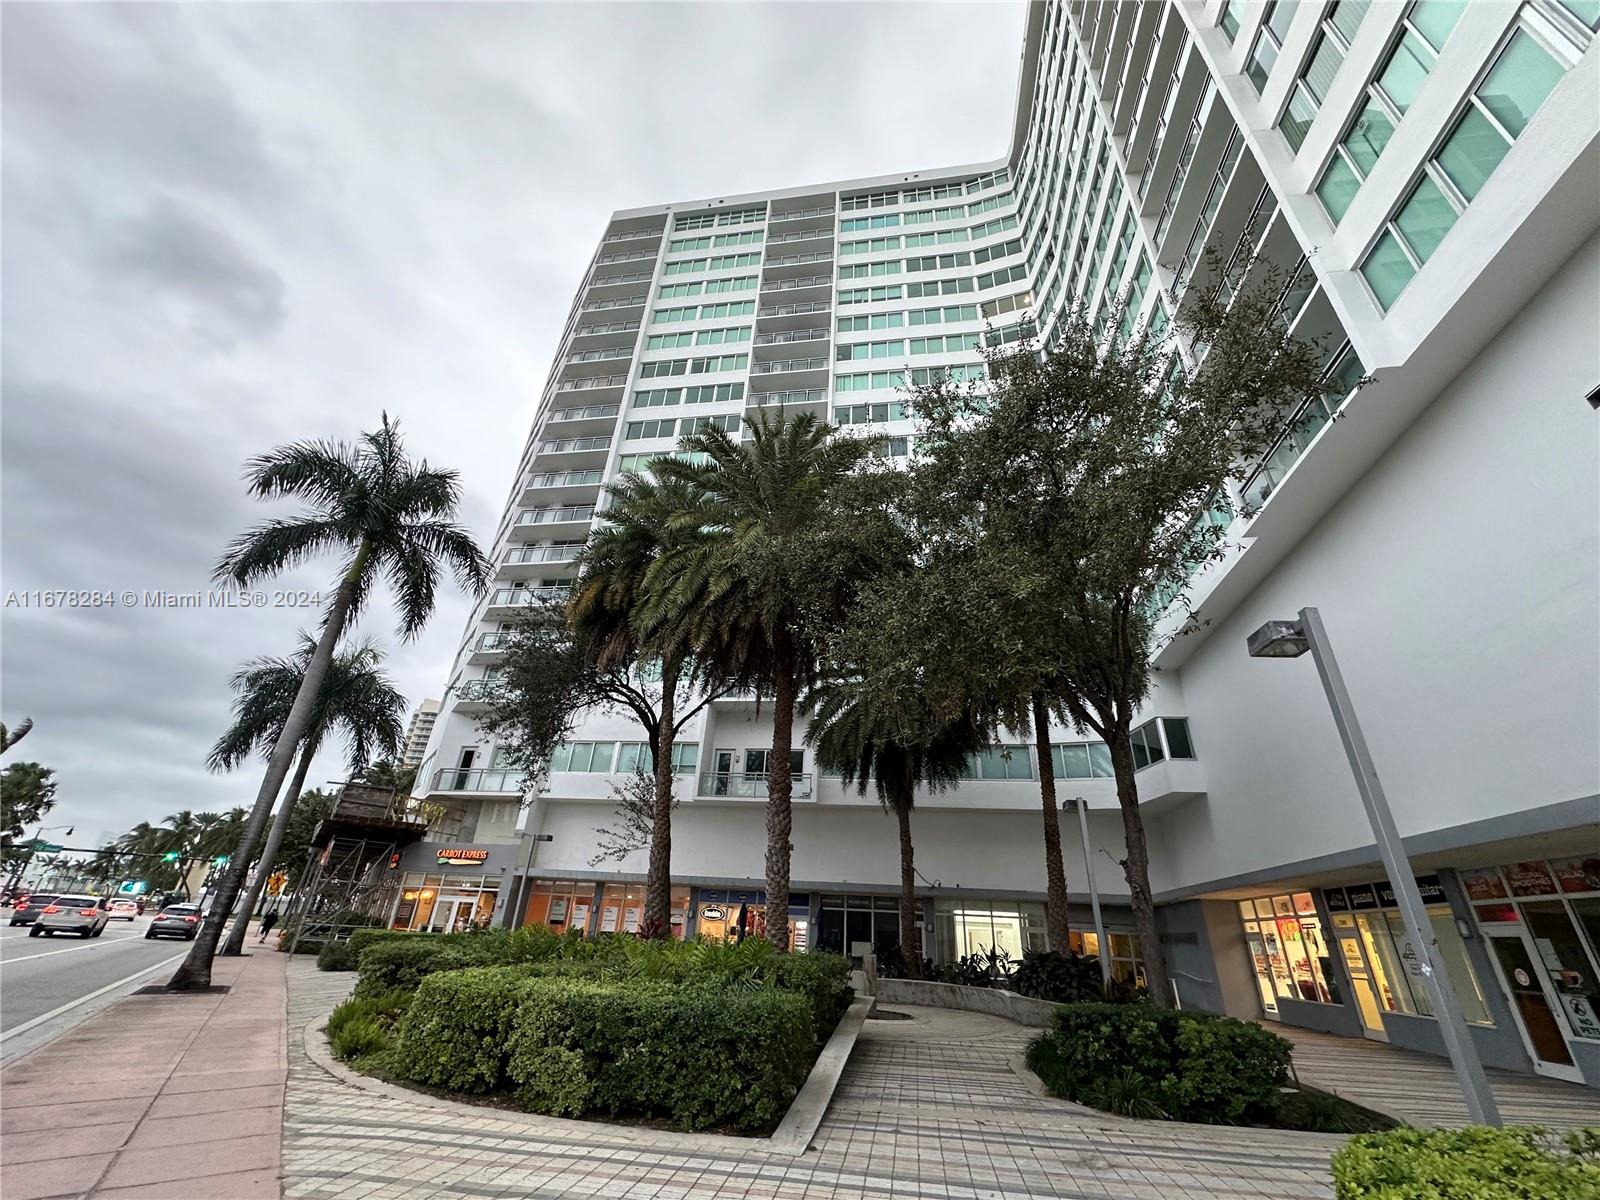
<point x="1426" y="173"/>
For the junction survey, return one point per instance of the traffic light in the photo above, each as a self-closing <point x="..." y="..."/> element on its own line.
<point x="220" y="860"/>
<point x="170" y="856"/>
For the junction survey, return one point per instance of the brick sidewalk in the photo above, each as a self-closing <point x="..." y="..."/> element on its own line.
<point x="166" y="1097"/>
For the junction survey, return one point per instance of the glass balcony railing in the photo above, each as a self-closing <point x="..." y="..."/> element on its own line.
<point x="493" y="641"/>
<point x="509" y="597"/>
<point x="794" y="214"/>
<point x="609" y="327"/>
<point x="591" y="382"/>
<point x="791" y="260"/>
<point x="792" y="396"/>
<point x="478" y="691"/>
<point x="620" y="302"/>
<point x="587" y="412"/>
<point x="555" y="516"/>
<point x="549" y="479"/>
<point x="483" y="779"/>
<point x="800" y="235"/>
<point x="629" y="235"/>
<point x="748" y="787"/>
<point x="792" y="335"/>
<point x="795" y="310"/>
<point x="789" y="285"/>
<point x="789" y="364"/>
<point x="574" y="445"/>
<point x="518" y="555"/>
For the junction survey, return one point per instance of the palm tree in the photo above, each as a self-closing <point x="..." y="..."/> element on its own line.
<point x="179" y="837"/>
<point x="888" y="737"/>
<point x="388" y="518"/>
<point x="356" y="698"/>
<point x="642" y="522"/>
<point x="771" y="561"/>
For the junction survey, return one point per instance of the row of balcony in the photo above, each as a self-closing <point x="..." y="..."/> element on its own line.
<point x="540" y="554"/>
<point x="791" y="260"/>
<point x="716" y="784"/>
<point x="590" y="383"/>
<point x="795" y="214"/>
<point x="554" y="515"/>
<point x="629" y="235"/>
<point x="789" y="364"/>
<point x="789" y="285"/>
<point x="619" y="302"/>
<point x="587" y="412"/>
<point x="801" y="235"/>
<point x="795" y="310"/>
<point x="629" y="256"/>
<point x="792" y="335"/>
<point x="788" y="397"/>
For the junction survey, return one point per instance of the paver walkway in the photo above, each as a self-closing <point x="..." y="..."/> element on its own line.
<point x="927" y="1109"/>
<point x="159" y="1097"/>
<point x="1421" y="1089"/>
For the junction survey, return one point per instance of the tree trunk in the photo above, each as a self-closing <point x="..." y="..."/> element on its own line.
<point x="658" y="876"/>
<point x="910" y="935"/>
<point x="194" y="974"/>
<point x="1057" y="923"/>
<point x="780" y="787"/>
<point x="280" y="823"/>
<point x="1136" y="867"/>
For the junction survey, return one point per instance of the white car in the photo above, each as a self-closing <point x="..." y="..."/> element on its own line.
<point x="85" y="916"/>
<point x="123" y="910"/>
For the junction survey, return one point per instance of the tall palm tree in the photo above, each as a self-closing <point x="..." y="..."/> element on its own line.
<point x="889" y="738"/>
<point x="356" y="698"/>
<point x="179" y="837"/>
<point x="771" y="561"/>
<point x="387" y="517"/>
<point x="642" y="522"/>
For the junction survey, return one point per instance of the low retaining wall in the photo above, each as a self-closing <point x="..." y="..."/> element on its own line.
<point x="1022" y="1009"/>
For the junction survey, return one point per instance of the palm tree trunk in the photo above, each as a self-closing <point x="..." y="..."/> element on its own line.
<point x="194" y="974"/>
<point x="780" y="786"/>
<point x="910" y="935"/>
<point x="658" y="876"/>
<point x="1136" y="867"/>
<point x="280" y="823"/>
<point x="1056" y="922"/>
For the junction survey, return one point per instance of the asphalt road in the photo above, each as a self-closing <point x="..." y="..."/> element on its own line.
<point x="50" y="984"/>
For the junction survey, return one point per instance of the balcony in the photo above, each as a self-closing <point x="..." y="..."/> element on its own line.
<point x="793" y="335"/>
<point x="813" y="398"/>
<point x="606" y="354"/>
<point x="617" y="302"/>
<point x="530" y="562"/>
<point x="632" y="235"/>
<point x="591" y="383"/>
<point x="736" y="785"/>
<point x="489" y="648"/>
<point x="626" y="256"/>
<point x="536" y="523"/>
<point x="475" y="695"/>
<point x="601" y="280"/>
<point x="510" y="602"/>
<point x="561" y="486"/>
<point x="822" y="284"/>
<point x="579" y="451"/>
<point x="481" y="779"/>
<point x="581" y="419"/>
<point x="801" y="235"/>
<point x="797" y="214"/>
<point x="790" y="265"/>
<point x="790" y="366"/>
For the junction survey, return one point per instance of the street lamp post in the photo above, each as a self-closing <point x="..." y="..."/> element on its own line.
<point x="33" y="849"/>
<point x="1290" y="639"/>
<point x="1077" y="805"/>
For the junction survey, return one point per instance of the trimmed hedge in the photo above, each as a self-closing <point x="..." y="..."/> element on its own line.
<point x="336" y="956"/>
<point x="1143" y="1061"/>
<point x="1476" y="1163"/>
<point x="403" y="965"/>
<point x="454" y="1035"/>
<point x="697" y="1056"/>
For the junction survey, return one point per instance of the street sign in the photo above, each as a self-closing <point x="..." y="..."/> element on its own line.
<point x="46" y="848"/>
<point x="132" y="887"/>
<point x="275" y="883"/>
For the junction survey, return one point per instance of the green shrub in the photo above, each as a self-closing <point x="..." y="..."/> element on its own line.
<point x="357" y="1037"/>
<point x="824" y="981"/>
<point x="1194" y="1066"/>
<point x="454" y="1035"/>
<point x="336" y="956"/>
<point x="387" y="966"/>
<point x="1062" y="978"/>
<point x="1476" y="1163"/>
<point x="360" y="939"/>
<point x="698" y="1056"/>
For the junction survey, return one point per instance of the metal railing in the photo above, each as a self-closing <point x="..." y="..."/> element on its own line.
<point x="609" y="352"/>
<point x="794" y="214"/>
<point x="540" y="554"/>
<point x="613" y="327"/>
<point x="478" y="779"/>
<point x="555" y="515"/>
<point x="790" y="260"/>
<point x="789" y="285"/>
<point x="748" y="787"/>
<point x="630" y="256"/>
<point x="800" y="235"/>
<point x="612" y="280"/>
<point x="789" y="364"/>
<point x="792" y="335"/>
<point x="498" y="640"/>
<point x="791" y="396"/>
<point x="572" y="445"/>
<point x="592" y="383"/>
<point x="586" y="412"/>
<point x="620" y="302"/>
<point x="513" y="597"/>
<point x="796" y="310"/>
<point x="544" y="479"/>
<point x="628" y="235"/>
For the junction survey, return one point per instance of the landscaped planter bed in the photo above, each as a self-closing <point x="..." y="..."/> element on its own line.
<point x="696" y="1036"/>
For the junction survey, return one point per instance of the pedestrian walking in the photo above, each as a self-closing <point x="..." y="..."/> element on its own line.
<point x="267" y="922"/>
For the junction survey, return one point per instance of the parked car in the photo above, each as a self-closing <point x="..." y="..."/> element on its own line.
<point x="123" y="910"/>
<point x="84" y="915"/>
<point x="176" y="920"/>
<point x="28" y="907"/>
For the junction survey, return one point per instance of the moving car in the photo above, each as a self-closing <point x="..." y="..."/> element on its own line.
<point x="28" y="907"/>
<point x="85" y="916"/>
<point x="123" y="910"/>
<point x="176" y="920"/>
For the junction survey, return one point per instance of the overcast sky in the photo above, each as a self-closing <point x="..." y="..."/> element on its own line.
<point x="228" y="226"/>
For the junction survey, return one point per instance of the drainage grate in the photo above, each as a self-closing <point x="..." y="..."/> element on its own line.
<point x="160" y="989"/>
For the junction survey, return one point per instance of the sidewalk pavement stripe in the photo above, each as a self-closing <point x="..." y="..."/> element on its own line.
<point x="6" y="962"/>
<point x="72" y="1004"/>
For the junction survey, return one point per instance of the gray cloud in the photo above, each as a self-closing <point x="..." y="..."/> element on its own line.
<point x="228" y="226"/>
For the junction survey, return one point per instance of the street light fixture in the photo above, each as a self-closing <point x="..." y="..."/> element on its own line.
<point x="1290" y="639"/>
<point x="1077" y="805"/>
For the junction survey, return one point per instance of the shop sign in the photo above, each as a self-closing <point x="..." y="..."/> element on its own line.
<point x="630" y="920"/>
<point x="608" y="919"/>
<point x="1362" y="896"/>
<point x="1581" y="1015"/>
<point x="1577" y="874"/>
<point x="1530" y="879"/>
<point x="1432" y="890"/>
<point x="1483" y="884"/>
<point x="580" y="916"/>
<point x="462" y="854"/>
<point x="1336" y="900"/>
<point x="558" y="910"/>
<point x="713" y="912"/>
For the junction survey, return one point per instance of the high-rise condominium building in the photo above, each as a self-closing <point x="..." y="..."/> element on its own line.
<point x="423" y="718"/>
<point x="1425" y="175"/>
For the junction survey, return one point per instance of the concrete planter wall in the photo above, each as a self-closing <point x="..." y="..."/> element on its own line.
<point x="1021" y="1009"/>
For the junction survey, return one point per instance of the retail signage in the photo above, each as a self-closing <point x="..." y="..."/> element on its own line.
<point x="1380" y="894"/>
<point x="1577" y="874"/>
<point x="1581" y="1015"/>
<point x="1484" y="884"/>
<point x="1336" y="900"/>
<point x="1530" y="879"/>
<point x="462" y="854"/>
<point x="1362" y="896"/>
<point x="713" y="912"/>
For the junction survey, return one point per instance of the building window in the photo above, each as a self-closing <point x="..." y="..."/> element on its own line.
<point x="1232" y="18"/>
<point x="1423" y="33"/>
<point x="1269" y="43"/>
<point x="592" y="757"/>
<point x="1002" y="762"/>
<point x="1288" y="951"/>
<point x="1327" y="56"/>
<point x="1498" y="111"/>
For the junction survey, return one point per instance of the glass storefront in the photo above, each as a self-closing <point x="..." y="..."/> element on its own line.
<point x="561" y="904"/>
<point x="1542" y="922"/>
<point x="445" y="903"/>
<point x="844" y="921"/>
<point x="1288" y="950"/>
<point x="622" y="908"/>
<point x="732" y="913"/>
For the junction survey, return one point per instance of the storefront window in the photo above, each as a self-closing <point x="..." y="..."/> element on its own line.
<point x="561" y="904"/>
<point x="445" y="903"/>
<point x="1287" y="950"/>
<point x="621" y="908"/>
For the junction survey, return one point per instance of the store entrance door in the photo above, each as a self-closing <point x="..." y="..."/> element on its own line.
<point x="1533" y="999"/>
<point x="451" y="914"/>
<point x="1355" y="963"/>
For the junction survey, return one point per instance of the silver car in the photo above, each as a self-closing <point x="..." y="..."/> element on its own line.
<point x="85" y="916"/>
<point x="176" y="920"/>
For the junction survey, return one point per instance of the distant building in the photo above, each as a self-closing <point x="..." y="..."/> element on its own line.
<point x="418" y="731"/>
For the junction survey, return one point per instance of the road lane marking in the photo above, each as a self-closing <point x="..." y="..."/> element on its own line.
<point x="72" y="1004"/>
<point x="90" y="945"/>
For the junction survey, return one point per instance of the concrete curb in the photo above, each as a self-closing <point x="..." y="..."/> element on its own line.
<point x="994" y="1002"/>
<point x="791" y="1138"/>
